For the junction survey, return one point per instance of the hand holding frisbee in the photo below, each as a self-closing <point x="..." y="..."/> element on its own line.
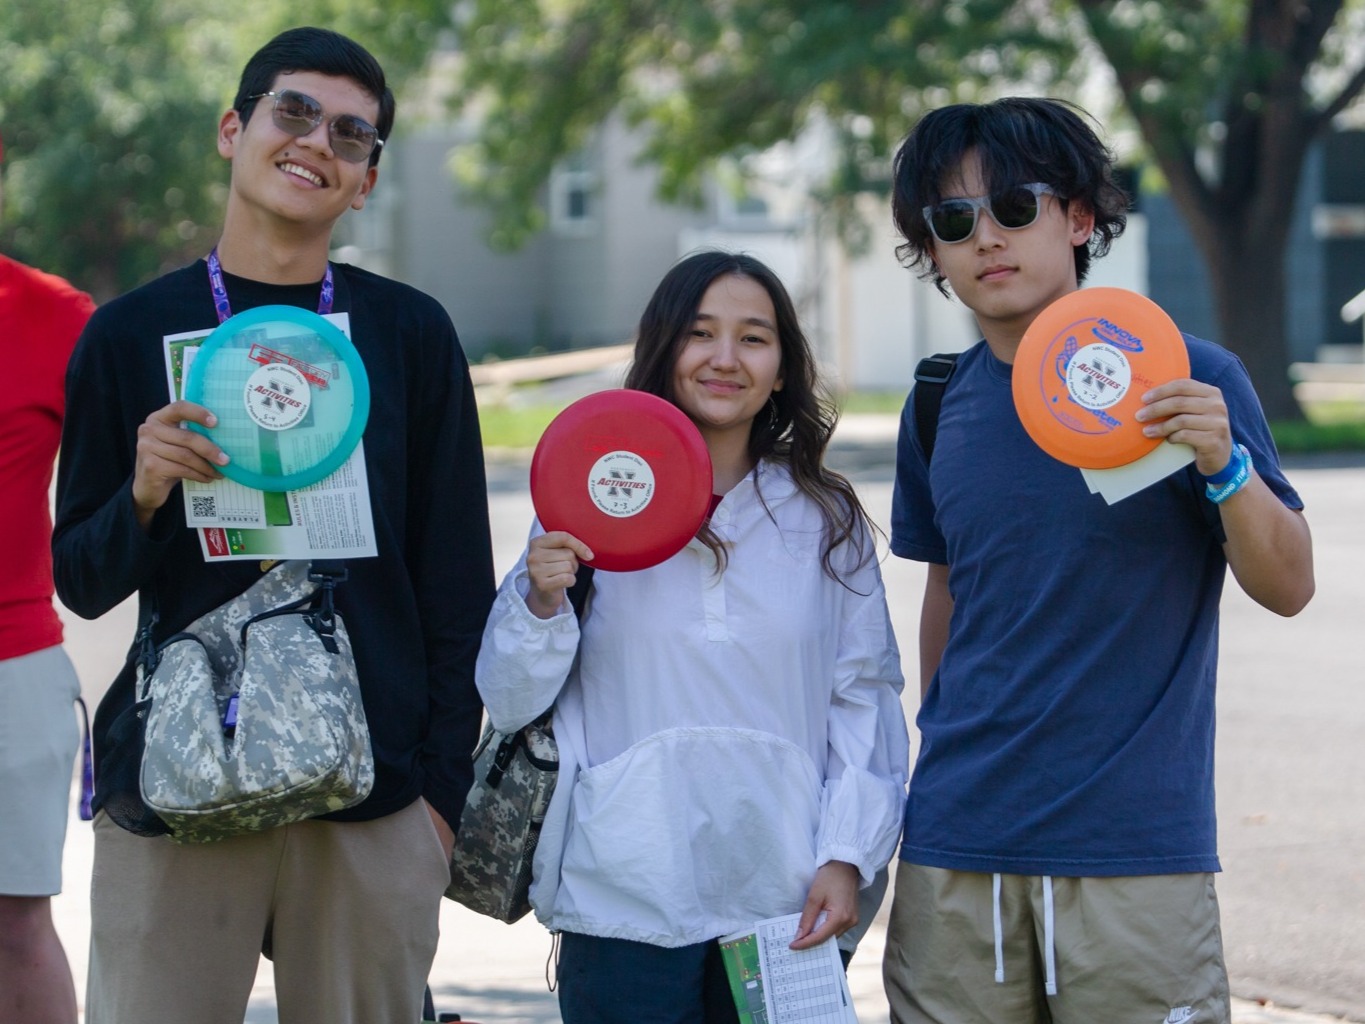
<point x="625" y="472"/>
<point x="1081" y="371"/>
<point x="290" y="393"/>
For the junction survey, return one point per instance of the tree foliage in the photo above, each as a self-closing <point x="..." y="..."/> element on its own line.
<point x="108" y="110"/>
<point x="1227" y="95"/>
<point x="713" y="77"/>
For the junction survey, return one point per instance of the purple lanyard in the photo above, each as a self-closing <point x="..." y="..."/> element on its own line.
<point x="220" y="298"/>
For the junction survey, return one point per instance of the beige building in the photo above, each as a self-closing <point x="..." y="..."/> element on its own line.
<point x="583" y="281"/>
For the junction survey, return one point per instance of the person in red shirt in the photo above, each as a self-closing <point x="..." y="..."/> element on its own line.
<point x="41" y="316"/>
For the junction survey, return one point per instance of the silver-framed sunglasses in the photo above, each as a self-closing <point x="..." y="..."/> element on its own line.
<point x="295" y="113"/>
<point x="1015" y="207"/>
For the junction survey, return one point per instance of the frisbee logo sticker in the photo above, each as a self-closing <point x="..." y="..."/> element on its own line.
<point x="1075" y="383"/>
<point x="277" y="397"/>
<point x="1098" y="376"/>
<point x="621" y="484"/>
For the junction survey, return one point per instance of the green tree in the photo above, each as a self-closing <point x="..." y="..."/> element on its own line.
<point x="1227" y="95"/>
<point x="108" y="110"/>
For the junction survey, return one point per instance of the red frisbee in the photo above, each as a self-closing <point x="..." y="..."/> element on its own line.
<point x="625" y="472"/>
<point x="1081" y="371"/>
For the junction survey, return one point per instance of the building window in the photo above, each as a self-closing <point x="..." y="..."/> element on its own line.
<point x="740" y="208"/>
<point x="573" y="197"/>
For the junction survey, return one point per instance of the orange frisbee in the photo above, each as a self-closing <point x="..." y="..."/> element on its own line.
<point x="1081" y="371"/>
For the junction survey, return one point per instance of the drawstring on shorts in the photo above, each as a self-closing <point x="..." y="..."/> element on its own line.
<point x="1049" y="941"/>
<point x="999" y="932"/>
<point x="1049" y="935"/>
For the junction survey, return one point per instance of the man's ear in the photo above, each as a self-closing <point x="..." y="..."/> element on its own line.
<point x="230" y="128"/>
<point x="1082" y="220"/>
<point x="371" y="176"/>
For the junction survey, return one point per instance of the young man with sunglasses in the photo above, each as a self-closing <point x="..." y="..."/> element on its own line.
<point x="1059" y="837"/>
<point x="346" y="904"/>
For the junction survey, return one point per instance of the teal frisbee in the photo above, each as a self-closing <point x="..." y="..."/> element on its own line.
<point x="290" y="392"/>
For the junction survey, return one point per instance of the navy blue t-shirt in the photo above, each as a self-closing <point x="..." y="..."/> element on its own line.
<point x="1069" y="730"/>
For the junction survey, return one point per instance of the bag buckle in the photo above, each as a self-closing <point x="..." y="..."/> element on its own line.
<point x="502" y="757"/>
<point x="328" y="576"/>
<point x="935" y="369"/>
<point x="323" y="617"/>
<point x="230" y="716"/>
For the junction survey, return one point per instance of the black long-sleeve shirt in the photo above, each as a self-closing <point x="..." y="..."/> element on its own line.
<point x="415" y="613"/>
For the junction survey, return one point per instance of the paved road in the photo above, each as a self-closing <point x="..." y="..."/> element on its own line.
<point x="1291" y="771"/>
<point x="1291" y="783"/>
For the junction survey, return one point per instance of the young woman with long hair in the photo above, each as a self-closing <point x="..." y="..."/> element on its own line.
<point x="731" y="736"/>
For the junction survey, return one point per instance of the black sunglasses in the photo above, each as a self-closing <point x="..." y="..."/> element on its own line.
<point x="353" y="139"/>
<point x="954" y="220"/>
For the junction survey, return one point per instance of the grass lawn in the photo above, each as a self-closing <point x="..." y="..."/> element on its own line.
<point x="506" y="426"/>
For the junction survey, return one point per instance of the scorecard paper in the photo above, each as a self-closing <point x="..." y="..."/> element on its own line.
<point x="774" y="984"/>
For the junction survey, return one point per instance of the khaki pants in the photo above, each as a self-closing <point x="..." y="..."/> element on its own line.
<point x="350" y="910"/>
<point x="1145" y="950"/>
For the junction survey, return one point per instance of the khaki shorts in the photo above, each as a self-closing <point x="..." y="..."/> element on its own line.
<point x="1135" y="950"/>
<point x="38" y="740"/>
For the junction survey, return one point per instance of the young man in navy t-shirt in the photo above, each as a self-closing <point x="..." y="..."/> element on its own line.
<point x="1060" y="834"/>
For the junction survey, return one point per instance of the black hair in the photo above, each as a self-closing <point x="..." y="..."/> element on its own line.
<point x="800" y="418"/>
<point x="1017" y="140"/>
<point x="325" y="52"/>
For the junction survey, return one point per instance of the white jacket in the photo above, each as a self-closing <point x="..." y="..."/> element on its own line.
<point x="720" y="736"/>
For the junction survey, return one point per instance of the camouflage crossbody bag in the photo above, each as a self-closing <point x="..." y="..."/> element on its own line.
<point x="514" y="779"/>
<point x="255" y="717"/>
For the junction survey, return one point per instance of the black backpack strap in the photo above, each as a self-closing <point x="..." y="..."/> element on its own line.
<point x="931" y="380"/>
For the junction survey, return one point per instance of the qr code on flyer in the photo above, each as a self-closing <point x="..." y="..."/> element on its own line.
<point x="203" y="506"/>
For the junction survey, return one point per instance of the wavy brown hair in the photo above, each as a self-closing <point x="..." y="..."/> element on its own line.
<point x="795" y="429"/>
